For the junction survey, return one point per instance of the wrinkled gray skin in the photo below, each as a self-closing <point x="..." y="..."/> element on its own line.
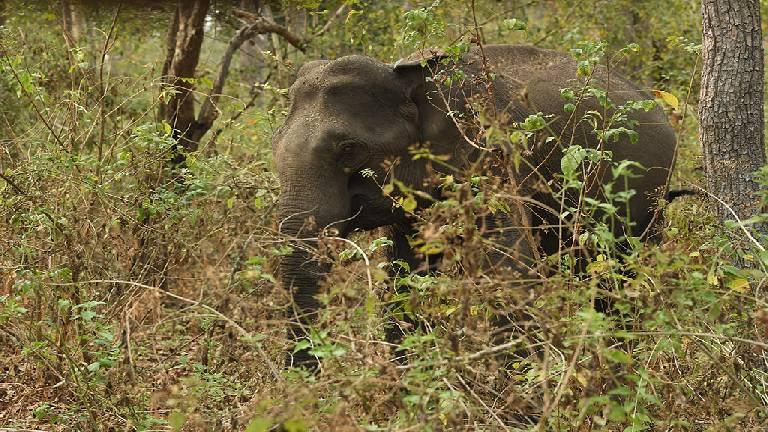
<point x="356" y="112"/>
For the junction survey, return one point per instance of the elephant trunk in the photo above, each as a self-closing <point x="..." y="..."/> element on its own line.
<point x="302" y="270"/>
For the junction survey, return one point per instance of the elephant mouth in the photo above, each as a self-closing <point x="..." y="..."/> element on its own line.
<point x="358" y="204"/>
<point x="368" y="213"/>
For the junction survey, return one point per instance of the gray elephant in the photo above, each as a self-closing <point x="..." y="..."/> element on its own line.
<point x="355" y="113"/>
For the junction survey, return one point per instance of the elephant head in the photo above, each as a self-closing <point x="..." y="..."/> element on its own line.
<point x="347" y="119"/>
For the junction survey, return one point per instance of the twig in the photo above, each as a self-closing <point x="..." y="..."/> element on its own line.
<point x="733" y="213"/>
<point x="261" y="25"/>
<point x="331" y="20"/>
<point x="104" y="88"/>
<point x="482" y="402"/>
<point x="13" y="184"/>
<point x="34" y="106"/>
<point x="360" y="250"/>
<point x="258" y="89"/>
<point x="243" y="332"/>
<point x="672" y="164"/>
<point x="208" y="111"/>
<point x="560" y="389"/>
<point x="20" y="430"/>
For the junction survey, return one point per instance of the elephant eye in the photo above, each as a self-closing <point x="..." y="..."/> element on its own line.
<point x="346" y="147"/>
<point x="352" y="154"/>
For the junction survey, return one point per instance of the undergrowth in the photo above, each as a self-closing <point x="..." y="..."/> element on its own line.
<point x="134" y="297"/>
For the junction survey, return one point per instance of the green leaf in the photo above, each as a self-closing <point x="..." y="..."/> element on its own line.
<point x="176" y="420"/>
<point x="763" y="257"/>
<point x="584" y="69"/>
<point x="570" y="162"/>
<point x="379" y="243"/>
<point x="387" y="189"/>
<point x="259" y="424"/>
<point x="618" y="356"/>
<point x="534" y="122"/>
<point x="617" y="414"/>
<point x="295" y="425"/>
<point x="87" y="315"/>
<point x="514" y="24"/>
<point x="302" y="345"/>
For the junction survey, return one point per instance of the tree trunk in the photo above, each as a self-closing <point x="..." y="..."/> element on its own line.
<point x="251" y="61"/>
<point x="188" y="37"/>
<point x="731" y="104"/>
<point x="72" y="22"/>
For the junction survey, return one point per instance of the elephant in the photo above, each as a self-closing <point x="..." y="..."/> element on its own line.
<point x="350" y="115"/>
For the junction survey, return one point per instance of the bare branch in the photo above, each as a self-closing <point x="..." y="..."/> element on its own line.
<point x="259" y="25"/>
<point x="331" y="20"/>
<point x="262" y="25"/>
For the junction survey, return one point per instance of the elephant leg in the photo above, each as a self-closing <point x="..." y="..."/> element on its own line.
<point x="401" y="252"/>
<point x="513" y="250"/>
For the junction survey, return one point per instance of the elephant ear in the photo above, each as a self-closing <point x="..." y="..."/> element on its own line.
<point x="416" y="67"/>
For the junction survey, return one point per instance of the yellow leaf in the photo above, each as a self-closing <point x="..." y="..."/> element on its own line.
<point x="409" y="204"/>
<point x="740" y="285"/>
<point x="583" y="379"/>
<point x="449" y="309"/>
<point x="387" y="188"/>
<point x="668" y="98"/>
<point x="432" y="248"/>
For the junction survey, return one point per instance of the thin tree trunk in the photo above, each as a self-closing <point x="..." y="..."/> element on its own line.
<point x="170" y="47"/>
<point x="180" y="110"/>
<point x="73" y="22"/>
<point x="731" y="103"/>
<point x="251" y="61"/>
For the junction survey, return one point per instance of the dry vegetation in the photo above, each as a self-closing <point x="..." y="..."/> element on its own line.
<point x="133" y="297"/>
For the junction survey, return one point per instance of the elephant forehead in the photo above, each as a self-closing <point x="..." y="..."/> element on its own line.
<point x="352" y="74"/>
<point x="326" y="121"/>
<point x="347" y="90"/>
<point x="347" y="102"/>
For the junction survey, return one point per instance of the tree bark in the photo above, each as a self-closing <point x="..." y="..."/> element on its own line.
<point x="251" y="61"/>
<point x="170" y="49"/>
<point x="188" y="38"/>
<point x="72" y="22"/>
<point x="731" y="104"/>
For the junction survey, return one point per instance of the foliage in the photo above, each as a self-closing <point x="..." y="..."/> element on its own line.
<point x="139" y="297"/>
